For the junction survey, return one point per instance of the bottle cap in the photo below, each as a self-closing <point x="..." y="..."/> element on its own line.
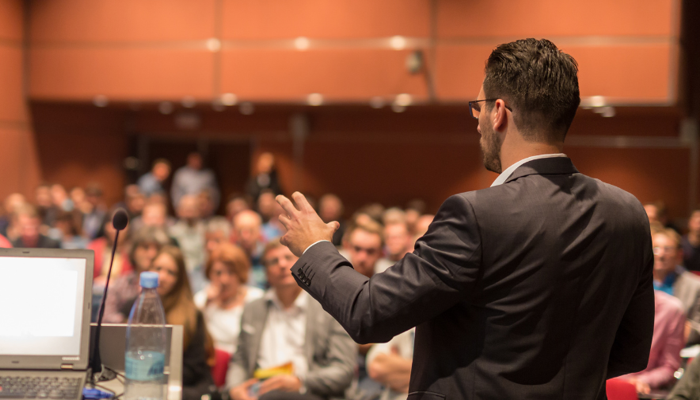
<point x="149" y="280"/>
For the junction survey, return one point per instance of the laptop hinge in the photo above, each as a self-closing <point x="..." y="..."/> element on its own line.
<point x="66" y="366"/>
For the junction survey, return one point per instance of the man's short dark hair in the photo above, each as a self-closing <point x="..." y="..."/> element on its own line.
<point x="539" y="82"/>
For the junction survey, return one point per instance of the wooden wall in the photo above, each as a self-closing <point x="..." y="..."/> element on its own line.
<point x="18" y="159"/>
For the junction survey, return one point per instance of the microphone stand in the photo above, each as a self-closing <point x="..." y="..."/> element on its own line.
<point x="96" y="361"/>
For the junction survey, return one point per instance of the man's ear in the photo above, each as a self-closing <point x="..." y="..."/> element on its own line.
<point x="499" y="115"/>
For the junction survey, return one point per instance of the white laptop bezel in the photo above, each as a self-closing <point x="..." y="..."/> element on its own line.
<point x="58" y="362"/>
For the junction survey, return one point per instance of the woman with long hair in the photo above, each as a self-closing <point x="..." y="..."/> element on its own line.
<point x="176" y="294"/>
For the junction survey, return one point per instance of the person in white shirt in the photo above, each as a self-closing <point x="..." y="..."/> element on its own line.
<point x="287" y="326"/>
<point x="222" y="302"/>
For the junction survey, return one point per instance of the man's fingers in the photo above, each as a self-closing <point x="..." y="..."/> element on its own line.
<point x="301" y="202"/>
<point x="287" y="205"/>
<point x="285" y="221"/>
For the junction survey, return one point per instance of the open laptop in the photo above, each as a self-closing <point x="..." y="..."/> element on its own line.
<point x="45" y="302"/>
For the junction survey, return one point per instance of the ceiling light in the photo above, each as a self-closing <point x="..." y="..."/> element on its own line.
<point x="403" y="99"/>
<point x="397" y="42"/>
<point x="301" y="43"/>
<point x="213" y="44"/>
<point x="165" y="107"/>
<point x="314" y="99"/>
<point x="100" y="100"/>
<point x="229" y="99"/>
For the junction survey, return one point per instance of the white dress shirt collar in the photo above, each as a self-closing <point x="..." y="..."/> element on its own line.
<point x="509" y="171"/>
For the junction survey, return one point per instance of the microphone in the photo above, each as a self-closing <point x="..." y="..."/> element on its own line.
<point x="120" y="219"/>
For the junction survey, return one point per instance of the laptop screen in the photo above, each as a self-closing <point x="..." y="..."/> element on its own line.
<point x="41" y="305"/>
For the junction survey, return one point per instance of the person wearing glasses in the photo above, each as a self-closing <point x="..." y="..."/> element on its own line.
<point x="672" y="278"/>
<point x="539" y="287"/>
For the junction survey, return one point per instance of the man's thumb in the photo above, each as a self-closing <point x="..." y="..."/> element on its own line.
<point x="335" y="225"/>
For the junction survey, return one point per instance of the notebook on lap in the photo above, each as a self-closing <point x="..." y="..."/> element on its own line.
<point x="45" y="304"/>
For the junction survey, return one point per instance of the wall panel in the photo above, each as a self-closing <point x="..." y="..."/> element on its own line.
<point x="121" y="20"/>
<point x="337" y="74"/>
<point x="120" y="73"/>
<point x="10" y="20"/>
<point x="545" y="18"/>
<point x="275" y="19"/>
<point x="11" y="96"/>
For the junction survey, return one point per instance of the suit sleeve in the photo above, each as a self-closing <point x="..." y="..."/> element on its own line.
<point x="442" y="270"/>
<point x="630" y="351"/>
<point x="337" y="375"/>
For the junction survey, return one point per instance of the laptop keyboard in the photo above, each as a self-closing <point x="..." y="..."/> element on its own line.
<point x="39" y="387"/>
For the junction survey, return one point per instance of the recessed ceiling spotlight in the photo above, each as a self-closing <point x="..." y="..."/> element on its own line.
<point x="229" y="99"/>
<point x="301" y="43"/>
<point x="397" y="108"/>
<point x="404" y="99"/>
<point x="213" y="44"/>
<point x="397" y="42"/>
<point x="314" y="99"/>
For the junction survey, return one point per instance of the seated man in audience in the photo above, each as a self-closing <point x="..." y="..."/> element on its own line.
<point x="217" y="233"/>
<point x="11" y="204"/>
<point x="270" y="211"/>
<point x="189" y="232"/>
<point x="691" y="242"/>
<point x="289" y="326"/>
<point x="192" y="179"/>
<point x="390" y="364"/>
<point x="29" y="236"/>
<point x="247" y="233"/>
<point x="330" y="208"/>
<point x="666" y="345"/>
<point x="363" y="245"/>
<point x="398" y="241"/>
<point x="672" y="278"/>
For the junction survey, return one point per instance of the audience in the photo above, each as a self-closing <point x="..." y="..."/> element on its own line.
<point x="222" y="302"/>
<point x="11" y="204"/>
<point x="265" y="177"/>
<point x="330" y="208"/>
<point x="666" y="345"/>
<point x="193" y="179"/>
<point x="28" y="227"/>
<point x="198" y="352"/>
<point x="147" y="242"/>
<point x="154" y="180"/>
<point x="226" y="262"/>
<point x="287" y="326"/>
<point x="102" y="247"/>
<point x="189" y="231"/>
<point x="247" y="233"/>
<point x="390" y="364"/>
<point x="691" y="242"/>
<point x="670" y="277"/>
<point x="398" y="241"/>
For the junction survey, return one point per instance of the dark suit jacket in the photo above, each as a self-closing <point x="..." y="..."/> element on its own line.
<point x="540" y="288"/>
<point x="44" y="242"/>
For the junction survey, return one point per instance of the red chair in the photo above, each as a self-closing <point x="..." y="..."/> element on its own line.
<point x="619" y="389"/>
<point x="696" y="272"/>
<point x="220" y="368"/>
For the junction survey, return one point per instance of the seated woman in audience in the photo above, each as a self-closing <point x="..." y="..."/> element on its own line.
<point x="174" y="290"/>
<point x="123" y="290"/>
<point x="102" y="246"/>
<point x="222" y="301"/>
<point x="666" y="345"/>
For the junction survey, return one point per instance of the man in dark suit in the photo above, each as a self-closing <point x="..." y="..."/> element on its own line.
<point x="539" y="287"/>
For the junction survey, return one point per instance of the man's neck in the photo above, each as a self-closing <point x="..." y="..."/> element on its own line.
<point x="537" y="149"/>
<point x="287" y="295"/>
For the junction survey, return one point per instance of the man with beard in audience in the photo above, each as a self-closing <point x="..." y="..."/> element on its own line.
<point x="189" y="231"/>
<point x="193" y="179"/>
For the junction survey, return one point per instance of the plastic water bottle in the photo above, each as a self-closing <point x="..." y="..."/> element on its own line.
<point x="145" y="344"/>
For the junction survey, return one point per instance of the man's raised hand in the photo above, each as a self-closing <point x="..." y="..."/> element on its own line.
<point x="304" y="226"/>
